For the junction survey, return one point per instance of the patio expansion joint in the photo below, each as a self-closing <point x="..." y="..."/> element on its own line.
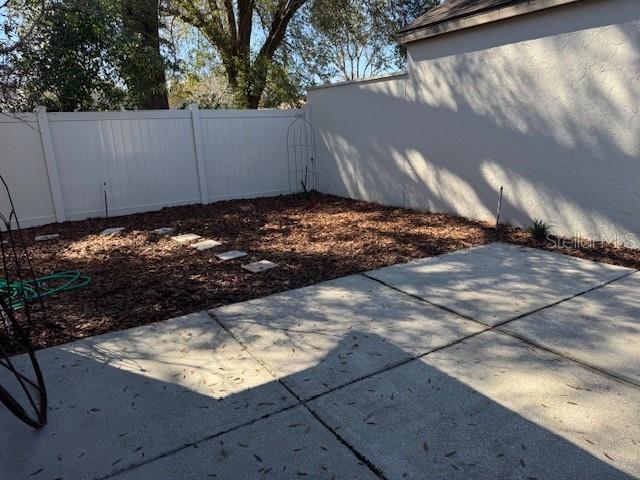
<point x="195" y="443"/>
<point x="389" y="367"/>
<point x="361" y="458"/>
<point x="393" y="366"/>
<point x="498" y="327"/>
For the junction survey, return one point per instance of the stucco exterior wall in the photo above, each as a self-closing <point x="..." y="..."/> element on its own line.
<point x="545" y="104"/>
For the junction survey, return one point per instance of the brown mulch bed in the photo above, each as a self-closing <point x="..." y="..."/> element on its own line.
<point x="140" y="278"/>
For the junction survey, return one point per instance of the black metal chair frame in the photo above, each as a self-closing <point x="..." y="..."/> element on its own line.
<point x="16" y="318"/>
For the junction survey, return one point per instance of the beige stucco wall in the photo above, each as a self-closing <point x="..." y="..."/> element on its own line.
<point x="544" y="104"/>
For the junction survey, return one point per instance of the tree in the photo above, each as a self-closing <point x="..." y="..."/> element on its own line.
<point x="229" y="26"/>
<point x="112" y="53"/>
<point x="201" y="78"/>
<point x="141" y="64"/>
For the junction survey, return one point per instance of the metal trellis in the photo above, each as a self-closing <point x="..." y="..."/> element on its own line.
<point x="301" y="156"/>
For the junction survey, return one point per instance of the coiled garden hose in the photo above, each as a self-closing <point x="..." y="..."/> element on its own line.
<point x="28" y="290"/>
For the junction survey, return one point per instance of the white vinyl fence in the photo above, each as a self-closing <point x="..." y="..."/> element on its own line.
<point x="59" y="165"/>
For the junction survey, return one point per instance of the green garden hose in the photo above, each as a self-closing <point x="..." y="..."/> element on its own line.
<point x="28" y="290"/>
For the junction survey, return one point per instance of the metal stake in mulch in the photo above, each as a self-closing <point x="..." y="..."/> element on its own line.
<point x="498" y="212"/>
<point x="106" y="200"/>
<point x="22" y="388"/>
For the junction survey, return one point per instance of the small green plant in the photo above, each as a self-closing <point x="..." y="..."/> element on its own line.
<point x="539" y="230"/>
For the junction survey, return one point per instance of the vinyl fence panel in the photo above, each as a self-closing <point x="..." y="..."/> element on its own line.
<point x="143" y="160"/>
<point x="23" y="167"/>
<point x="246" y="152"/>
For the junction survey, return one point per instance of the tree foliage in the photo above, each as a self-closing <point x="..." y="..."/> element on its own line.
<point x="85" y="55"/>
<point x="351" y="39"/>
<point x="201" y="77"/>
<point x="270" y="50"/>
<point x="69" y="61"/>
<point x="15" y="31"/>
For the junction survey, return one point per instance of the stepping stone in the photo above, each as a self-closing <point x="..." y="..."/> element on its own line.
<point x="206" y="245"/>
<point x="112" y="232"/>
<point x="261" y="266"/>
<point x="186" y="237"/>
<point x="230" y="255"/>
<point x="163" y="230"/>
<point x="43" y="238"/>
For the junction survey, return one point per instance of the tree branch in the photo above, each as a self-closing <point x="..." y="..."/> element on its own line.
<point x="4" y="50"/>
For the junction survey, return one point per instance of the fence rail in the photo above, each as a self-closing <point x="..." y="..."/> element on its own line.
<point x="59" y="165"/>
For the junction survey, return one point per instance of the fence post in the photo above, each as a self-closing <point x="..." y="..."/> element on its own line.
<point x="50" y="161"/>
<point x="197" y="142"/>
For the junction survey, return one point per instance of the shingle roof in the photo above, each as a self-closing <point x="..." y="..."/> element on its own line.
<point x="469" y="12"/>
<point x="455" y="9"/>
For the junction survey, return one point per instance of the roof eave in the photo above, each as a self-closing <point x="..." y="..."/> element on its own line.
<point x="476" y="19"/>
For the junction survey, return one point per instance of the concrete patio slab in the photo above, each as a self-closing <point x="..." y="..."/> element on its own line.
<point x="497" y="282"/>
<point x="326" y="335"/>
<point x="600" y="328"/>
<point x="123" y="398"/>
<point x="184" y="399"/>
<point x="491" y="407"/>
<point x="290" y="444"/>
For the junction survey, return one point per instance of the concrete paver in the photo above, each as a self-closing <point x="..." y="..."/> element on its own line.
<point x="206" y="245"/>
<point x="497" y="282"/>
<point x="186" y="238"/>
<point x="112" y="232"/>
<point x="44" y="238"/>
<point x="230" y="255"/>
<point x="163" y="230"/>
<point x="260" y="266"/>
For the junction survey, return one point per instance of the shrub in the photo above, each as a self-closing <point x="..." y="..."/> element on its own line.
<point x="539" y="230"/>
